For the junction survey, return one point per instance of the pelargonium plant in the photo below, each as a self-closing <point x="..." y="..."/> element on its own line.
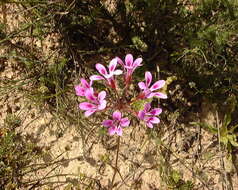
<point x="117" y="99"/>
<point x="120" y="100"/>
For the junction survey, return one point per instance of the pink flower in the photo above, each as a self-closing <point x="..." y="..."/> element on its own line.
<point x="115" y="125"/>
<point x="148" y="91"/>
<point x="107" y="75"/>
<point x="83" y="87"/>
<point x="130" y="65"/>
<point x="96" y="103"/>
<point x="148" y="115"/>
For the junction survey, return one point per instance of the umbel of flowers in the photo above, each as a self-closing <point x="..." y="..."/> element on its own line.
<point x="118" y="97"/>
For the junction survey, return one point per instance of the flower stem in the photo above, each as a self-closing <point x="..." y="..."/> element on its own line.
<point x="115" y="168"/>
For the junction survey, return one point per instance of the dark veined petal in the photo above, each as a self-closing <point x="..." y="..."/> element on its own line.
<point x="86" y="106"/>
<point x="154" y="120"/>
<point x="112" y="65"/>
<point x="125" y="122"/>
<point x="157" y="85"/>
<point x="101" y="69"/>
<point x="156" y="111"/>
<point x="148" y="78"/>
<point x="116" y="115"/>
<point x="89" y="94"/>
<point x="129" y="60"/>
<point x="107" y="123"/>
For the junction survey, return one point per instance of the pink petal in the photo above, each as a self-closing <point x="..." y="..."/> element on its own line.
<point x="142" y="85"/>
<point x="117" y="72"/>
<point x="119" y="131"/>
<point x="101" y="95"/>
<point x="137" y="62"/>
<point x="147" y="107"/>
<point x="96" y="77"/>
<point x="150" y="125"/>
<point x="116" y="115"/>
<point x="108" y="76"/>
<point x="159" y="84"/>
<point x="129" y="60"/>
<point x="129" y="67"/>
<point x="84" y="83"/>
<point x="101" y="69"/>
<point x="107" y="123"/>
<point x="141" y="115"/>
<point x="90" y="83"/>
<point x="112" y="130"/>
<point x="80" y="91"/>
<point x="89" y="112"/>
<point x="125" y="122"/>
<point x="150" y="94"/>
<point x="156" y="111"/>
<point x="120" y="61"/>
<point x="112" y="65"/>
<point x="160" y="95"/>
<point x="89" y="94"/>
<point x="102" y="105"/>
<point x="154" y="120"/>
<point x="148" y="78"/>
<point x="86" y="106"/>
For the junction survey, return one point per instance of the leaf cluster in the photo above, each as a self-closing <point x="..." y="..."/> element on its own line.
<point x="15" y="155"/>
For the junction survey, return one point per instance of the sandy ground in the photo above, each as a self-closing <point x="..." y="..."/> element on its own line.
<point x="72" y="159"/>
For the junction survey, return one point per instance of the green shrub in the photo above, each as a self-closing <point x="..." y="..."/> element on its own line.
<point x="16" y="154"/>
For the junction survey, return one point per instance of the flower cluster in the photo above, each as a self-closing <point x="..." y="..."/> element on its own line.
<point x="119" y="98"/>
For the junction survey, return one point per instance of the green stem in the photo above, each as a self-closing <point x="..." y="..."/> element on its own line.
<point x="115" y="168"/>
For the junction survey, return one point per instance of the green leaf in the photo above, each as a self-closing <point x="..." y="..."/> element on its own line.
<point x="227" y="120"/>
<point x="102" y="131"/>
<point x="206" y="126"/>
<point x="140" y="104"/>
<point x="176" y="176"/>
<point x="140" y="45"/>
<point x="223" y="131"/>
<point x="233" y="128"/>
<point x="224" y="140"/>
<point x="232" y="140"/>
